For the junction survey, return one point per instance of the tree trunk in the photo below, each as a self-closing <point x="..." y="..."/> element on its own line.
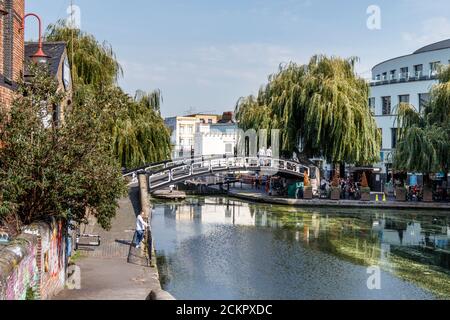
<point x="427" y="188"/>
<point x="445" y="184"/>
<point x="342" y="170"/>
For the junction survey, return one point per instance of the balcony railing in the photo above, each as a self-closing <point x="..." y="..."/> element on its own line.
<point x="405" y="77"/>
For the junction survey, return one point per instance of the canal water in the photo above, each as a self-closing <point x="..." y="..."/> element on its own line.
<point x="222" y="248"/>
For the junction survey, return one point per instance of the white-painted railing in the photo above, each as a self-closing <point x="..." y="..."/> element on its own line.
<point x="180" y="170"/>
<point x="177" y="171"/>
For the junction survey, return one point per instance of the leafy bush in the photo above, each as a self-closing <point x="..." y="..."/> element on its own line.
<point x="56" y="171"/>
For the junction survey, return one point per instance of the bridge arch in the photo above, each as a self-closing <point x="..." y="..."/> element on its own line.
<point x="163" y="174"/>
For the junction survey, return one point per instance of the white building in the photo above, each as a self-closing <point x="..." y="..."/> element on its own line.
<point x="404" y="79"/>
<point x="201" y="135"/>
<point x="216" y="139"/>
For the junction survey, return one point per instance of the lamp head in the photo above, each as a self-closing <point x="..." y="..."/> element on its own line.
<point x="40" y="57"/>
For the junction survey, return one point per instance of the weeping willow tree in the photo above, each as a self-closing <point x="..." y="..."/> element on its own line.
<point x="151" y="100"/>
<point x="140" y="135"/>
<point x="135" y="126"/>
<point x="94" y="63"/>
<point x="321" y="109"/>
<point x="424" y="137"/>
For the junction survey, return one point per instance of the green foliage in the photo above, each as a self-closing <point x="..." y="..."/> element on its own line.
<point x="50" y="171"/>
<point x="94" y="63"/>
<point x="30" y="294"/>
<point x="139" y="135"/>
<point x="365" y="190"/>
<point x="137" y="130"/>
<point x="149" y="100"/>
<point x="424" y="138"/>
<point x="322" y="107"/>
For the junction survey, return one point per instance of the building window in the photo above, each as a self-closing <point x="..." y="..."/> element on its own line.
<point x="378" y="77"/>
<point x="394" y="137"/>
<point x="392" y="74"/>
<point x="8" y="41"/>
<point x="384" y="77"/>
<point x="424" y="98"/>
<point x="404" y="73"/>
<point x="372" y="105"/>
<point x="404" y="98"/>
<point x="418" y="70"/>
<point x="386" y="103"/>
<point x="210" y="121"/>
<point x="228" y="148"/>
<point x="434" y="66"/>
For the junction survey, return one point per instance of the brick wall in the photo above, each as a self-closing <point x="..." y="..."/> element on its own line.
<point x="36" y="260"/>
<point x="11" y="68"/>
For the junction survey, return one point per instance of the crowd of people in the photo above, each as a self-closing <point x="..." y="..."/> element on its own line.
<point x="350" y="189"/>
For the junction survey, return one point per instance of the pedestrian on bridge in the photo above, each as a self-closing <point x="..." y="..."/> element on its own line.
<point x="141" y="226"/>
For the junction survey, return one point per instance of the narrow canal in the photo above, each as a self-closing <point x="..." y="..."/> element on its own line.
<point x="222" y="248"/>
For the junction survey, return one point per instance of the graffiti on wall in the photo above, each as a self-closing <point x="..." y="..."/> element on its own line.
<point x="25" y="276"/>
<point x="53" y="249"/>
<point x="39" y="269"/>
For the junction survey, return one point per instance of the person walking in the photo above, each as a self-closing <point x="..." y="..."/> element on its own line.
<point x="261" y="155"/>
<point x="141" y="225"/>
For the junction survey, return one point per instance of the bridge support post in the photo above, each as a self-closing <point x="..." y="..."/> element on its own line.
<point x="143" y="195"/>
<point x="146" y="210"/>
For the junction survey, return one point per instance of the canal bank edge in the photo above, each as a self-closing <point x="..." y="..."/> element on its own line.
<point x="158" y="293"/>
<point x="258" y="197"/>
<point x="146" y="209"/>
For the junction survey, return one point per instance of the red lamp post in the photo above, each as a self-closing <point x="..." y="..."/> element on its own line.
<point x="39" y="56"/>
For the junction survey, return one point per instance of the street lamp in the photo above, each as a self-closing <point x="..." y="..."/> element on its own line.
<point x="39" y="56"/>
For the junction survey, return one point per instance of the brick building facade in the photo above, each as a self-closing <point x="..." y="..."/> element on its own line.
<point x="11" y="48"/>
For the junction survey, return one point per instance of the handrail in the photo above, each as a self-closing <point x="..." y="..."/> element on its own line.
<point x="184" y="169"/>
<point x="127" y="172"/>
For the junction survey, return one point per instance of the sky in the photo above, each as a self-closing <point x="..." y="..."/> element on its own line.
<point x="206" y="54"/>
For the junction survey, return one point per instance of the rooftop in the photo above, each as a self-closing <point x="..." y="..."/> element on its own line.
<point x="55" y="50"/>
<point x="444" y="44"/>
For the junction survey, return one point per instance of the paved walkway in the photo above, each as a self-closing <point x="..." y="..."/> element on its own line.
<point x="105" y="272"/>
<point x="260" y="196"/>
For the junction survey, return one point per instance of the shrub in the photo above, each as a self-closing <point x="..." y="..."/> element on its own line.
<point x="55" y="170"/>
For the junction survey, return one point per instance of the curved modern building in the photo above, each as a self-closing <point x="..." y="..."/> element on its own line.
<point x="407" y="79"/>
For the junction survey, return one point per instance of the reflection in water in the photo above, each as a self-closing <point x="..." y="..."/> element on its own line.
<point x="220" y="248"/>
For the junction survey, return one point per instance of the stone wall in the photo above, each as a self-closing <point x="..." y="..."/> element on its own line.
<point x="34" y="265"/>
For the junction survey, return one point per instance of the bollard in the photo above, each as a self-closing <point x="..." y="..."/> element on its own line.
<point x="384" y="197"/>
<point x="377" y="199"/>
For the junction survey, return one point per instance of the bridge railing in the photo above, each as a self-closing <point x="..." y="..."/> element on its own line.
<point x="177" y="171"/>
<point x="164" y="173"/>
